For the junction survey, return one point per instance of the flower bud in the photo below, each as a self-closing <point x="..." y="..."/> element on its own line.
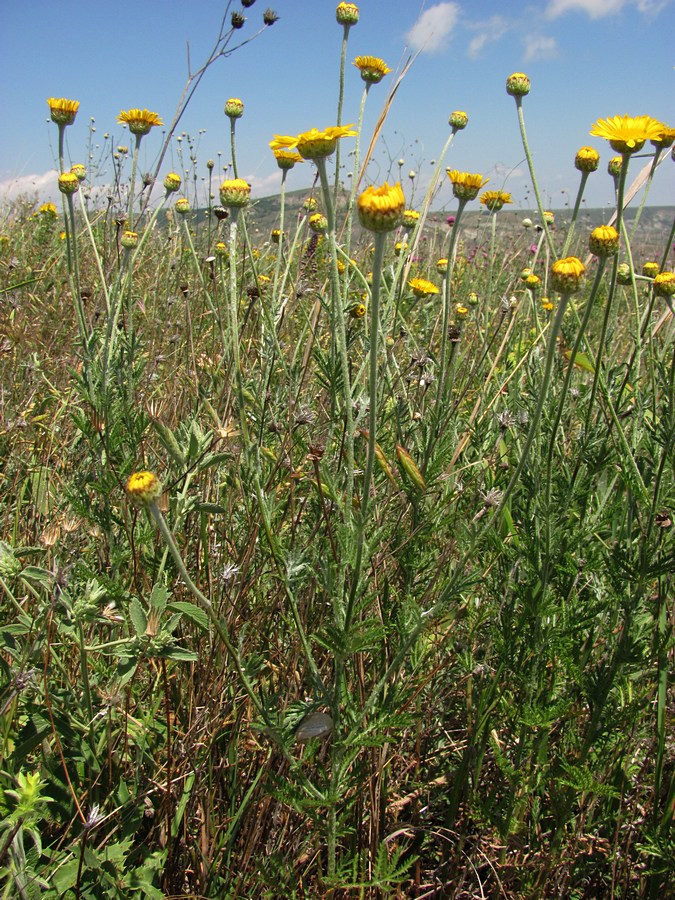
<point x="518" y="84"/>
<point x="234" y="108"/>
<point x="567" y="274"/>
<point x="144" y="488"/>
<point x="604" y="241"/>
<point x="347" y="14"/>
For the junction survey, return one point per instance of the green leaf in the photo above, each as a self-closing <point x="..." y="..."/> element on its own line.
<point x="192" y="612"/>
<point x="580" y="360"/>
<point x="158" y="597"/>
<point x="138" y="618"/>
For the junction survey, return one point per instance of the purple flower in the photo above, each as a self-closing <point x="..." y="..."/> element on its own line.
<point x="451" y="221"/>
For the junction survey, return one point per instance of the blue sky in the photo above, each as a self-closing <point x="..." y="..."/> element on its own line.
<point x="587" y="59"/>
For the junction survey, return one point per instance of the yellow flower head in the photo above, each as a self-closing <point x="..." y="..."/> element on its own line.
<point x="664" y="284"/>
<point x="465" y="186"/>
<point x="615" y="165"/>
<point x="144" y="488"/>
<point x="442" y="265"/>
<point x="381" y="209"/>
<point x="566" y="274"/>
<point x="235" y="192"/>
<point x="357" y="311"/>
<point x="69" y="183"/>
<point x="494" y="200"/>
<point x="313" y="144"/>
<point x="79" y="171"/>
<point x="172" y="182"/>
<point x="372" y="68"/>
<point x="140" y="121"/>
<point x="234" y="108"/>
<point x="129" y="239"/>
<point x="458" y="120"/>
<point x="63" y="111"/>
<point x="604" y="241"/>
<point x="650" y="269"/>
<point x="518" y="84"/>
<point x="587" y="159"/>
<point x="422" y="288"/>
<point x="347" y="14"/>
<point x="627" y="134"/>
<point x="410" y="218"/>
<point x="318" y="223"/>
<point x="666" y="139"/>
<point x="286" y="159"/>
<point x="48" y="210"/>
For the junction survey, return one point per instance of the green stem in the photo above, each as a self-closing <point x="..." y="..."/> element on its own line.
<point x="575" y="213"/>
<point x="530" y="164"/>
<point x="132" y="185"/>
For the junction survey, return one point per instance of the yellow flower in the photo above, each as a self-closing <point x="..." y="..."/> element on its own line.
<point x="546" y="304"/>
<point x="518" y="84"/>
<point x="172" y="182"/>
<point x="494" y="200"/>
<point x="666" y="138"/>
<point x="144" y="488"/>
<point x="422" y="288"/>
<point x="235" y="192"/>
<point x="461" y="311"/>
<point x="140" y="121"/>
<point x="614" y="166"/>
<point x="566" y="274"/>
<point x="357" y="311"/>
<point x="465" y="186"/>
<point x="604" y="241"/>
<point x="442" y="265"/>
<point x="372" y="68"/>
<point x="129" y="239"/>
<point x="347" y="14"/>
<point x="69" y="183"/>
<point x="627" y="134"/>
<point x="48" y="210"/>
<point x="381" y="209"/>
<point x="410" y="218"/>
<point x="182" y="206"/>
<point x="286" y="159"/>
<point x="532" y="281"/>
<point x="234" y="108"/>
<point x="651" y="269"/>
<point x="458" y="120"/>
<point x="63" y="111"/>
<point x="318" y="223"/>
<point x="587" y="159"/>
<point x="313" y="144"/>
<point x="664" y="284"/>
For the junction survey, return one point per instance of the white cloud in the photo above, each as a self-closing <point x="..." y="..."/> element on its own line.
<point x="430" y="31"/>
<point x="597" y="9"/>
<point x="540" y="47"/>
<point x="489" y="31"/>
<point x="44" y="185"/>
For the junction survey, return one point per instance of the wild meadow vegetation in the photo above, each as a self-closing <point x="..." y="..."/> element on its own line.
<point x="337" y="557"/>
